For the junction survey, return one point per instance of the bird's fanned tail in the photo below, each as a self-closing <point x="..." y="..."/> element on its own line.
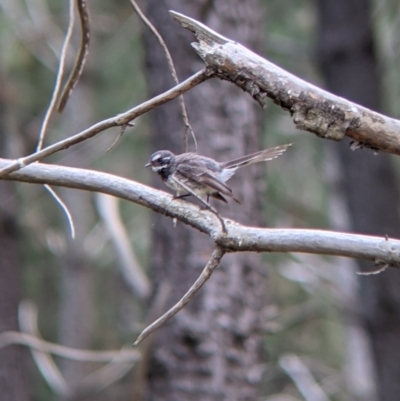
<point x="263" y="155"/>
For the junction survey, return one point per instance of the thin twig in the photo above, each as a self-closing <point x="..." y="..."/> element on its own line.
<point x="117" y="139"/>
<point x="132" y="271"/>
<point x="15" y="337"/>
<point x="213" y="262"/>
<point x="121" y="119"/>
<point x="27" y="318"/>
<point x="60" y="73"/>
<point x="102" y="378"/>
<point x="81" y="58"/>
<point x="50" y="109"/>
<point x="95" y="381"/>
<point x="173" y="73"/>
<point x="64" y="209"/>
<point x="302" y="378"/>
<point x="374" y="272"/>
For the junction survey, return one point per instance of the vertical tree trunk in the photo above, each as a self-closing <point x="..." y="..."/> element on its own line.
<point x="211" y="350"/>
<point x="12" y="381"/>
<point x="348" y="62"/>
<point x="77" y="298"/>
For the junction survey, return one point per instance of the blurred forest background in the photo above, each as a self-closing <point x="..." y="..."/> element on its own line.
<point x="318" y="331"/>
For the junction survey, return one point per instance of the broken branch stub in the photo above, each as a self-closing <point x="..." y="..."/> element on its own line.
<point x="312" y="108"/>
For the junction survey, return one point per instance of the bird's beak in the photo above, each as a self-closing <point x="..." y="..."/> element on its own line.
<point x="147" y="164"/>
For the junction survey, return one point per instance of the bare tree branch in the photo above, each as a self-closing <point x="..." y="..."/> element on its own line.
<point x="50" y="109"/>
<point x="119" y="362"/>
<point x="213" y="262"/>
<point x="119" y="120"/>
<point x="132" y="272"/>
<point x="27" y="317"/>
<point x="103" y="377"/>
<point x="238" y="238"/>
<point x="116" y="367"/>
<point x="60" y="73"/>
<point x="302" y="377"/>
<point x="311" y="108"/>
<point x="64" y="208"/>
<point x="83" y="52"/>
<point x="15" y="337"/>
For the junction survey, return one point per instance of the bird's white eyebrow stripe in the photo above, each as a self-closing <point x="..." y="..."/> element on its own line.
<point x="155" y="157"/>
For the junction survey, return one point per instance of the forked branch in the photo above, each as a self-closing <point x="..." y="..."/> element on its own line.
<point x="212" y="263"/>
<point x="119" y="120"/>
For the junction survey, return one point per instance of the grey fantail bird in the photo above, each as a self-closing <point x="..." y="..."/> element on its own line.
<point x="203" y="175"/>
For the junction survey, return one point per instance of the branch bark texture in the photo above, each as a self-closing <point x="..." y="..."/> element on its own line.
<point x="312" y="109"/>
<point x="239" y="238"/>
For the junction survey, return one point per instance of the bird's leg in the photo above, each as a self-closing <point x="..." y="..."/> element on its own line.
<point x="181" y="196"/>
<point x="206" y="205"/>
<point x="203" y="207"/>
<point x="177" y="196"/>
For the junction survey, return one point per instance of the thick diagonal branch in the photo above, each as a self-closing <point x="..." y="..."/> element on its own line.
<point x="238" y="238"/>
<point x="311" y="108"/>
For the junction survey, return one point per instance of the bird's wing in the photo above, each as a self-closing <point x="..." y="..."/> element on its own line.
<point x="214" y="183"/>
<point x="204" y="178"/>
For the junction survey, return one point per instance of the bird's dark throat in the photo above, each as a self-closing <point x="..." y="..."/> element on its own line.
<point x="164" y="173"/>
